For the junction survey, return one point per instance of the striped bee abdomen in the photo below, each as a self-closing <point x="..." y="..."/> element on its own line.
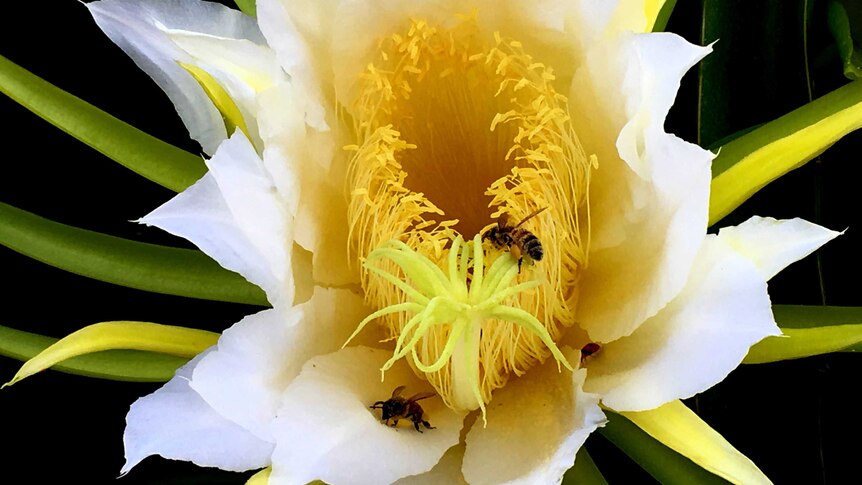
<point x="533" y="247"/>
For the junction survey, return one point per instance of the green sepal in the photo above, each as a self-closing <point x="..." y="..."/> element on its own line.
<point x="663" y="16"/>
<point x="717" y="24"/>
<point x="584" y="472"/>
<point x="149" y="267"/>
<point x="751" y="161"/>
<point x="679" y="428"/>
<point x="116" y="365"/>
<point x="808" y="316"/>
<point x="808" y="331"/>
<point x="165" y="164"/>
<point x="247" y="7"/>
<point x="664" y="464"/>
<point x="180" y="342"/>
<point x="842" y="31"/>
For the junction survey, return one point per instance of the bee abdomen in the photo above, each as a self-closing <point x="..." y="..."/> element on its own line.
<point x="490" y="234"/>
<point x="533" y="247"/>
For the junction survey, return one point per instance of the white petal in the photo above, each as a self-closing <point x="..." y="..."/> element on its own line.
<point x="657" y="64"/>
<point x="299" y="31"/>
<point x="283" y="129"/>
<point x="134" y="26"/>
<point x="176" y="423"/>
<point x="326" y="431"/>
<point x="331" y="41"/>
<point x="322" y="228"/>
<point x="694" y="342"/>
<point x="260" y="209"/>
<point x="236" y="215"/>
<point x="447" y="470"/>
<point x="773" y="244"/>
<point x="594" y="20"/>
<point x="244" y="69"/>
<point x="357" y="27"/>
<point x="536" y="424"/>
<point x="650" y="194"/>
<point x="295" y="151"/>
<point x="256" y="359"/>
<point x="253" y="64"/>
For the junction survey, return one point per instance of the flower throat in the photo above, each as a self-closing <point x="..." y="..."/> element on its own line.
<point x="454" y="128"/>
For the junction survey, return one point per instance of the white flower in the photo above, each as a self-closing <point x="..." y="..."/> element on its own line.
<point x="365" y="122"/>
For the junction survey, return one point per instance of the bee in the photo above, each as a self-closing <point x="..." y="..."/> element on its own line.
<point x="396" y="407"/>
<point x="517" y="240"/>
<point x="589" y="350"/>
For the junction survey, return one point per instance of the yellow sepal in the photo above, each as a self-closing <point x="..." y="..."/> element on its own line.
<point x="260" y="478"/>
<point x="152" y="337"/>
<point x="753" y="172"/>
<point x="681" y="430"/>
<point x="637" y="16"/>
<point x="229" y="110"/>
<point x="804" y="342"/>
<point x="651" y="10"/>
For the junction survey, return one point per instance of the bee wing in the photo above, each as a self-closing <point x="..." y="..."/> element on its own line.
<point x="422" y="395"/>
<point x="398" y="390"/>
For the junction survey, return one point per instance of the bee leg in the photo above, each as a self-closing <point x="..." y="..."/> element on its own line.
<point x="416" y="420"/>
<point x="428" y="425"/>
<point x="394" y="422"/>
<point x="517" y="254"/>
<point x="377" y="405"/>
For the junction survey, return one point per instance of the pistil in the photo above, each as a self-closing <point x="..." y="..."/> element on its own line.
<point x="450" y="312"/>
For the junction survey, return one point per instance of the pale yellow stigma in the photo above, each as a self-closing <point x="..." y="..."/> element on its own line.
<point x="454" y="127"/>
<point x="461" y="304"/>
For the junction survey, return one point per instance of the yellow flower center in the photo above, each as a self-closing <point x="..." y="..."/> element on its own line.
<point x="454" y="128"/>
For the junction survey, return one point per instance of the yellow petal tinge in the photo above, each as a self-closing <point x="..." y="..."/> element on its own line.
<point x="680" y="429"/>
<point x="153" y="337"/>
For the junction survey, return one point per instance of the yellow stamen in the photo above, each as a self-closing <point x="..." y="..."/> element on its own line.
<point x="454" y="127"/>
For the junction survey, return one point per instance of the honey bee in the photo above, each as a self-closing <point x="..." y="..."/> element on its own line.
<point x="517" y="240"/>
<point x="589" y="350"/>
<point x="397" y="407"/>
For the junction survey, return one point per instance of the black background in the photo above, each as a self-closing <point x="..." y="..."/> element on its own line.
<point x="799" y="421"/>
